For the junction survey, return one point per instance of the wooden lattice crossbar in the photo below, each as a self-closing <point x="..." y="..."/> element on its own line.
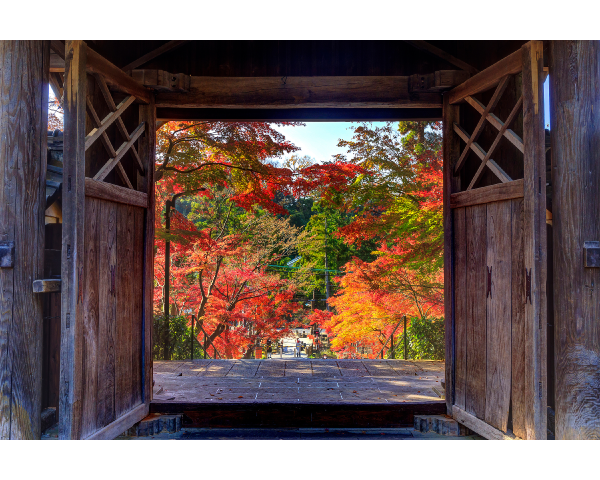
<point x="99" y="132"/>
<point x="486" y="113"/>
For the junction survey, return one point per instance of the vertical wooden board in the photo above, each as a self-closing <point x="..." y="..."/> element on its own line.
<point x="90" y="298"/>
<point x="107" y="331"/>
<point x="518" y="320"/>
<point x="476" y="221"/>
<point x="460" y="306"/>
<point x="498" y="363"/>
<point x="123" y="399"/>
<point x="535" y="249"/>
<point x="138" y="282"/>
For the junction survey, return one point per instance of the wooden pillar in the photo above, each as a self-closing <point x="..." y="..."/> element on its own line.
<point x="24" y="73"/>
<point x="575" y="132"/>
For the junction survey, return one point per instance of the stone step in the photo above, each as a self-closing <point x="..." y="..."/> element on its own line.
<point x="440" y="424"/>
<point x="154" y="424"/>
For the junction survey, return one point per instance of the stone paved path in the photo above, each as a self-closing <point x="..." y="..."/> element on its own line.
<point x="298" y="381"/>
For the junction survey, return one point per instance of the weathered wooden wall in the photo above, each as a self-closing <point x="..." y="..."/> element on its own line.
<point x="24" y="69"/>
<point x="575" y="130"/>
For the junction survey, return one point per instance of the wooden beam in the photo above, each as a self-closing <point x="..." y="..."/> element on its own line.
<point x="58" y="46"/>
<point x="496" y="122"/>
<point x="153" y="54"/>
<point x="479" y="426"/>
<point x="107" y="121"/>
<point x="108" y="166"/>
<point x="299" y="92"/>
<point x="438" y="52"/>
<point x="118" y="78"/>
<point x="57" y="64"/>
<point x="114" y="193"/>
<point x="122" y="424"/>
<point x="46" y="285"/>
<point x="488" y="78"/>
<point x="491" y="193"/>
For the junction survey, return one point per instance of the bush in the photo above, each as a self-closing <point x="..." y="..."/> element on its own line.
<point x="179" y="339"/>
<point x="425" y="338"/>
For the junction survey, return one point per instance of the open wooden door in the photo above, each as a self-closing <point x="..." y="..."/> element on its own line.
<point x="108" y="232"/>
<point x="495" y="248"/>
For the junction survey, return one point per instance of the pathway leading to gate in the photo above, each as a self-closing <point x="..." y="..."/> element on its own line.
<point x="299" y="381"/>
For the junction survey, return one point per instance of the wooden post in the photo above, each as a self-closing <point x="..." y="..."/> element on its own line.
<point x="72" y="241"/>
<point x="534" y="240"/>
<point x="25" y="70"/>
<point x="575" y="132"/>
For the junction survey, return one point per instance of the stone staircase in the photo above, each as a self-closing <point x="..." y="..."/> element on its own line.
<point x="154" y="424"/>
<point x="440" y="424"/>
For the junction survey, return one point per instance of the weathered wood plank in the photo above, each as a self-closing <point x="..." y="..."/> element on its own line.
<point x="535" y="248"/>
<point x="153" y="54"/>
<point x="451" y="151"/>
<point x="422" y="45"/>
<point x="46" y="285"/>
<point x="114" y="75"/>
<point x="114" y="193"/>
<point x="72" y="242"/>
<point x="491" y="193"/>
<point x="107" y="121"/>
<point x="299" y="92"/>
<point x="479" y="426"/>
<point x="121" y="424"/>
<point x="518" y="321"/>
<point x="107" y="334"/>
<point x="24" y="67"/>
<point x="488" y="78"/>
<point x="90" y="317"/>
<point x="575" y="127"/>
<point x="498" y="358"/>
<point x="137" y="302"/>
<point x="122" y="150"/>
<point x="476" y="220"/>
<point x="460" y="306"/>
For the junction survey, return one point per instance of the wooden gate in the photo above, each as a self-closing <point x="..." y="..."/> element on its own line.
<point x="108" y="232"/>
<point x="495" y="248"/>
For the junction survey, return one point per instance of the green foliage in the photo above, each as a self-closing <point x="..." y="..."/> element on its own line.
<point x="180" y="339"/>
<point x="425" y="339"/>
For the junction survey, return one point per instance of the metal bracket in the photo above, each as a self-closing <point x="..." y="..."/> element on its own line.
<point x="528" y="285"/>
<point x="7" y="254"/>
<point x="591" y="254"/>
<point x="489" y="282"/>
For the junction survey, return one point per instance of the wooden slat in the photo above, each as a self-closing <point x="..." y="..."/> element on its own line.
<point x="451" y="151"/>
<point x="72" y="242"/>
<point x="498" y="350"/>
<point x="460" y="306"/>
<point x="491" y="193"/>
<point x="108" y="121"/>
<point x="438" y="52"/>
<point x="46" y="286"/>
<point x="114" y="193"/>
<point x="480" y="152"/>
<point x="299" y="92"/>
<point x="118" y="78"/>
<point x="535" y="247"/>
<point x="479" y="426"/>
<point x="515" y="111"/>
<point x="107" y="317"/>
<point x="137" y="301"/>
<point x="58" y="47"/>
<point x="488" y="78"/>
<point x="108" y="166"/>
<point x="122" y="424"/>
<point x="479" y="127"/>
<point x="475" y="395"/>
<point x="153" y="54"/>
<point x="120" y="124"/>
<point x="90" y="318"/>
<point x="518" y="321"/>
<point x="511" y="136"/>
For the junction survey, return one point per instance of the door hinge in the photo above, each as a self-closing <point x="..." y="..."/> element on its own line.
<point x="528" y="285"/>
<point x="489" y="282"/>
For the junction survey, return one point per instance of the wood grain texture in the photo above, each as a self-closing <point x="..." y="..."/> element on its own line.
<point x="137" y="303"/>
<point x="24" y="67"/>
<point x="299" y="92"/>
<point x="479" y="426"/>
<point x="114" y="193"/>
<point x="498" y="350"/>
<point x="476" y="220"/>
<point x="46" y="285"/>
<point x="535" y="248"/>
<point x="460" y="306"/>
<point x="488" y="78"/>
<point x="575" y="126"/>
<point x="121" y="424"/>
<point x="518" y="404"/>
<point x="72" y="242"/>
<point x="451" y="152"/>
<point x="491" y="193"/>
